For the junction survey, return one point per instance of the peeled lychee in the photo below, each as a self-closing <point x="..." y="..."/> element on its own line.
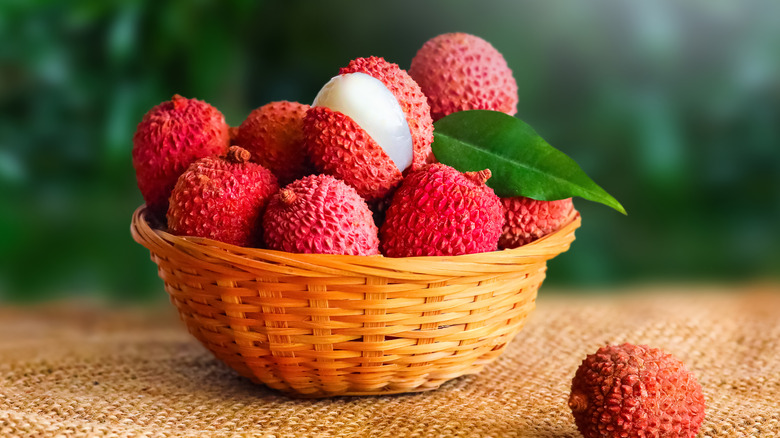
<point x="458" y="72"/>
<point x="635" y="391"/>
<point x="526" y="219"/>
<point x="222" y="198"/>
<point x="318" y="214"/>
<point x="368" y="125"/>
<point x="439" y="211"/>
<point x="410" y="97"/>
<point x="169" y="138"/>
<point x="273" y="134"/>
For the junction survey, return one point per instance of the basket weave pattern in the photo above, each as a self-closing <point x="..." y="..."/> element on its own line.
<point x="322" y="325"/>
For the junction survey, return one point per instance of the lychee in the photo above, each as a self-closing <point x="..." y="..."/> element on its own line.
<point x="368" y="125"/>
<point x="459" y="71"/>
<point x="526" y="219"/>
<point x="635" y="391"/>
<point x="440" y="211"/>
<point x="273" y="134"/>
<point x="319" y="214"/>
<point x="410" y="97"/>
<point x="169" y="138"/>
<point x="222" y="198"/>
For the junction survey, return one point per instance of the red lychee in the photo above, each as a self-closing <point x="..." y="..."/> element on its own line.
<point x="319" y="214"/>
<point x="273" y="134"/>
<point x="222" y="198"/>
<point x="411" y="98"/>
<point x="635" y="391"/>
<point x="368" y="125"/>
<point x="170" y="137"/>
<point x="458" y="72"/>
<point x="440" y="211"/>
<point x="526" y="219"/>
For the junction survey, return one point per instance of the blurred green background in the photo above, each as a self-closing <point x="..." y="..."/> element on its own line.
<point x="672" y="106"/>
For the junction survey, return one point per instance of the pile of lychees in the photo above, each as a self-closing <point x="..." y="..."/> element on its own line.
<point x="352" y="173"/>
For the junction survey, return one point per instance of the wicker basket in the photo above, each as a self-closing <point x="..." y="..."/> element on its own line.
<point x="322" y="325"/>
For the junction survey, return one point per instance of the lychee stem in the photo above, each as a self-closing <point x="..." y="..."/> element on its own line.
<point x="238" y="155"/>
<point x="479" y="177"/>
<point x="179" y="102"/>
<point x="287" y="196"/>
<point x="578" y="402"/>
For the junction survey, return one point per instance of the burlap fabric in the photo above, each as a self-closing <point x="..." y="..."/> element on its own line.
<point x="68" y="370"/>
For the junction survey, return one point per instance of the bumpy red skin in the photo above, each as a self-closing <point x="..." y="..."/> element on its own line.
<point x="221" y="200"/>
<point x="326" y="217"/>
<point x="339" y="147"/>
<point x="526" y="219"/>
<point x="458" y="72"/>
<point x="169" y="138"/>
<point x="273" y="134"/>
<point x="439" y="211"/>
<point x="409" y="96"/>
<point x="635" y="391"/>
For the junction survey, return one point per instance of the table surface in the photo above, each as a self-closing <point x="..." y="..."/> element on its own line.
<point x="70" y="369"/>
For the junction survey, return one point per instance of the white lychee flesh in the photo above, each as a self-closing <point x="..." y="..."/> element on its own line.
<point x="368" y="102"/>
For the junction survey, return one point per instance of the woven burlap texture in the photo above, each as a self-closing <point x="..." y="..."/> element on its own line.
<point x="67" y="370"/>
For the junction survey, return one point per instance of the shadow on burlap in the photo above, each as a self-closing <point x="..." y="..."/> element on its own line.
<point x="67" y="371"/>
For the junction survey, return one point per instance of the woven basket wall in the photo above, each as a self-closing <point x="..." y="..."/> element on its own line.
<point x="321" y="325"/>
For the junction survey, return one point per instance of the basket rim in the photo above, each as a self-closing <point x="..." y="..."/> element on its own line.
<point x="545" y="248"/>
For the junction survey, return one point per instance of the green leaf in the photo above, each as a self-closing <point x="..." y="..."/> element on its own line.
<point x="521" y="162"/>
